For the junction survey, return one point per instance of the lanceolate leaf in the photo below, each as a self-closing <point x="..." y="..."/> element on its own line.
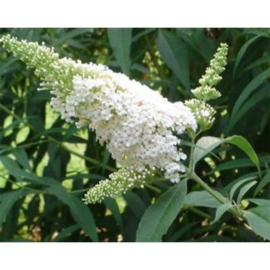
<point x="242" y="52"/>
<point x="245" y="146"/>
<point x="247" y="91"/>
<point x="260" y="202"/>
<point x="113" y="207"/>
<point x="80" y="212"/>
<point x="245" y="102"/>
<point x="221" y="210"/>
<point x="6" y="202"/>
<point x="174" y="53"/>
<point x="259" y="220"/>
<point x="22" y="158"/>
<point x="159" y="216"/>
<point x="200" y="198"/>
<point x="66" y="231"/>
<point x="120" y="40"/>
<point x="260" y="61"/>
<point x="135" y="203"/>
<point x="244" y="190"/>
<point x="265" y="180"/>
<point x="238" y="184"/>
<point x="207" y="144"/>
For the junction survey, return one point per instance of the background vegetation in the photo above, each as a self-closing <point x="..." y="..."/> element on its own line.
<point x="47" y="165"/>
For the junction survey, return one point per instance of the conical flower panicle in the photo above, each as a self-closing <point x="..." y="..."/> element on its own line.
<point x="140" y="128"/>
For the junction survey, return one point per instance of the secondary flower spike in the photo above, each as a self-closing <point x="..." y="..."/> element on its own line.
<point x="140" y="128"/>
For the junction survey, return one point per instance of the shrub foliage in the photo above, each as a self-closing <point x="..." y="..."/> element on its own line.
<point x="46" y="165"/>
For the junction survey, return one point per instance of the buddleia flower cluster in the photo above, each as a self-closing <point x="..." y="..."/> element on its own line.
<point x="140" y="128"/>
<point x="203" y="112"/>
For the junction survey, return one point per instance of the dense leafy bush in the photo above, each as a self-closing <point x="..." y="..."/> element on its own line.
<point x="46" y="165"/>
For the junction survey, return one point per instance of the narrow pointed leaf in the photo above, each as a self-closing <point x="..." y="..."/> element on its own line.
<point x="120" y="40"/>
<point x="174" y="52"/>
<point x="238" y="184"/>
<point x="259" y="220"/>
<point x="250" y="103"/>
<point x="242" y="52"/>
<point x="135" y="203"/>
<point x="80" y="212"/>
<point x="205" y="145"/>
<point x="259" y="202"/>
<point x="244" y="190"/>
<point x="265" y="180"/>
<point x="6" y="202"/>
<point x="22" y="158"/>
<point x="221" y="210"/>
<point x="200" y="198"/>
<point x="66" y="232"/>
<point x="159" y="216"/>
<point x="113" y="207"/>
<point x="245" y="146"/>
<point x="247" y="91"/>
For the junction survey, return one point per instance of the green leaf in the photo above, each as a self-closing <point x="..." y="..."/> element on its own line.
<point x="135" y="203"/>
<point x="9" y="163"/>
<point x="260" y="61"/>
<point x="159" y="216"/>
<point x="261" y="95"/>
<point x="244" y="190"/>
<point x="259" y="202"/>
<point x="120" y="40"/>
<point x="238" y="184"/>
<point x="143" y="33"/>
<point x="182" y="231"/>
<point x="69" y="35"/>
<point x="265" y="180"/>
<point x="80" y="212"/>
<point x="259" y="220"/>
<point x="21" y="157"/>
<point x="245" y="146"/>
<point x="257" y="81"/>
<point x="242" y="52"/>
<point x="174" y="52"/>
<point x="66" y="232"/>
<point x="234" y="164"/>
<point x="208" y="143"/>
<point x="19" y="174"/>
<point x="221" y="210"/>
<point x="113" y="207"/>
<point x="205" y="145"/>
<point x="200" y="198"/>
<point x="6" y="202"/>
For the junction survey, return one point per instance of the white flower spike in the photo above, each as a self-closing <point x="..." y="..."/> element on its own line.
<point x="140" y="128"/>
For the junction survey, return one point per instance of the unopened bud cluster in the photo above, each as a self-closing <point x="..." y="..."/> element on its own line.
<point x="118" y="184"/>
<point x="203" y="112"/>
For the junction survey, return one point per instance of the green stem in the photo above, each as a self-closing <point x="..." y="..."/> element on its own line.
<point x="214" y="193"/>
<point x="79" y="190"/>
<point x="235" y="210"/>
<point x="190" y="165"/>
<point x="156" y="190"/>
<point x="200" y="213"/>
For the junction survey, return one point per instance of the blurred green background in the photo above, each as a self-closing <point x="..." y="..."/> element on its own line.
<point x="47" y="165"/>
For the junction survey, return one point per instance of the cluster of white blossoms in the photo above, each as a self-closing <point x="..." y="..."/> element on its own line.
<point x="141" y="128"/>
